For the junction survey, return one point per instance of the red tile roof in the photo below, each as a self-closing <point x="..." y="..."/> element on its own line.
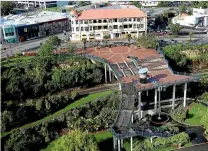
<point x="111" y="13"/>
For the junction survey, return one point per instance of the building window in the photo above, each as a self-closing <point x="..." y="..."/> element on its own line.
<point x="120" y="20"/>
<point x="125" y="26"/>
<point x="81" y="21"/>
<point x="105" y="21"/>
<point x="90" y="21"/>
<point x="90" y="27"/>
<point x="99" y="21"/>
<point x="129" y="19"/>
<point x="141" y="19"/>
<point x="94" y="21"/>
<point x="110" y="21"/>
<point x="72" y="29"/>
<point x="124" y="19"/>
<point x="110" y="27"/>
<point x="142" y="25"/>
<point x="99" y="27"/>
<point x="134" y="19"/>
<point x="72" y="22"/>
<point x="138" y="19"/>
<point x="82" y="29"/>
<point x="85" y="22"/>
<point x="77" y="28"/>
<point x="105" y="27"/>
<point x="115" y="26"/>
<point x="86" y="29"/>
<point x="115" y="20"/>
<point x="94" y="27"/>
<point x="76" y="22"/>
<point x="130" y="26"/>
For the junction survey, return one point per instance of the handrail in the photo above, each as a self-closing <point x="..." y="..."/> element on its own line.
<point x="103" y="61"/>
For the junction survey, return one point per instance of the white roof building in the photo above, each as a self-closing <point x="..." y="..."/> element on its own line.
<point x="26" y="19"/>
<point x="200" y="16"/>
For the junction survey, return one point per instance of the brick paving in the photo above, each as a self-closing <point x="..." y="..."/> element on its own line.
<point x="119" y="54"/>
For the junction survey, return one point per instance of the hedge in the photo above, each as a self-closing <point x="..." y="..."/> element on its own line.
<point x="93" y="116"/>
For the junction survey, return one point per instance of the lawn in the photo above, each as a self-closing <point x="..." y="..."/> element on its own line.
<point x="77" y="103"/>
<point x="195" y="113"/>
<point x="15" y="60"/>
<point x="100" y="137"/>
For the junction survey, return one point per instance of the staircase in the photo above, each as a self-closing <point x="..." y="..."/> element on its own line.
<point x="126" y="106"/>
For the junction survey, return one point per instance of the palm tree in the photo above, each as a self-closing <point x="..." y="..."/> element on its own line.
<point x="191" y="35"/>
<point x="128" y="36"/>
<point x="106" y="37"/>
<point x="97" y="43"/>
<point x="84" y="40"/>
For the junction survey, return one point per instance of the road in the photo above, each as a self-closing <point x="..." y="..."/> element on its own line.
<point x="27" y="45"/>
<point x="35" y="44"/>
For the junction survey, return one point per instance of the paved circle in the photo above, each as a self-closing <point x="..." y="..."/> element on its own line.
<point x="120" y="50"/>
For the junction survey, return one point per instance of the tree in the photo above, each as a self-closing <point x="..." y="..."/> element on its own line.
<point x="175" y="28"/>
<point x="106" y="37"/>
<point x="6" y="7"/>
<point x="182" y="9"/>
<point x="54" y="41"/>
<point x="137" y="4"/>
<point x="128" y="36"/>
<point x="149" y="41"/>
<point x="46" y="49"/>
<point x="84" y="41"/>
<point x="191" y="35"/>
<point x="71" y="48"/>
<point x="163" y="4"/>
<point x="77" y="141"/>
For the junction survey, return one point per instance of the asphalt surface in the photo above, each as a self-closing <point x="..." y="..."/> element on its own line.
<point x="27" y="45"/>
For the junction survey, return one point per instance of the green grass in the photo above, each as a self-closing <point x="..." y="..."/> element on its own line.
<point x="15" y="60"/>
<point x="100" y="137"/>
<point x="77" y="103"/>
<point x="195" y="113"/>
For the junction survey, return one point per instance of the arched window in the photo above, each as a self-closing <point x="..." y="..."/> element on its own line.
<point x="105" y="21"/>
<point x="94" y="21"/>
<point x="99" y="21"/>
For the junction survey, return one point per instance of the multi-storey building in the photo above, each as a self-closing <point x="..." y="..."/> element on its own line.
<point x="96" y="23"/>
<point x="24" y="27"/>
<point x="199" y="17"/>
<point x="39" y="3"/>
<point x="149" y="3"/>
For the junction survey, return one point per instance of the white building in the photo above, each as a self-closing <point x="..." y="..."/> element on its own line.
<point x="199" y="17"/>
<point x="149" y="3"/>
<point x="117" y="23"/>
<point x="39" y="3"/>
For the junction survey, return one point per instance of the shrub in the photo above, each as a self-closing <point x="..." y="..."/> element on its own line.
<point x="204" y="97"/>
<point x="103" y="115"/>
<point x="158" y="142"/>
<point x="34" y="109"/>
<point x="179" y="114"/>
<point x="18" y="54"/>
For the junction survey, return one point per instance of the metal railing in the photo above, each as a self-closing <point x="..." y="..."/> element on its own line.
<point x="102" y="61"/>
<point x="146" y="131"/>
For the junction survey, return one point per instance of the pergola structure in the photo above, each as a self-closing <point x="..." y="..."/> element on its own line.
<point x="125" y="62"/>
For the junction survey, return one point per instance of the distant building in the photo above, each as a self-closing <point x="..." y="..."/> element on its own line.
<point x="117" y="23"/>
<point x="30" y="26"/>
<point x="199" y="18"/>
<point x="39" y="3"/>
<point x="149" y="3"/>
